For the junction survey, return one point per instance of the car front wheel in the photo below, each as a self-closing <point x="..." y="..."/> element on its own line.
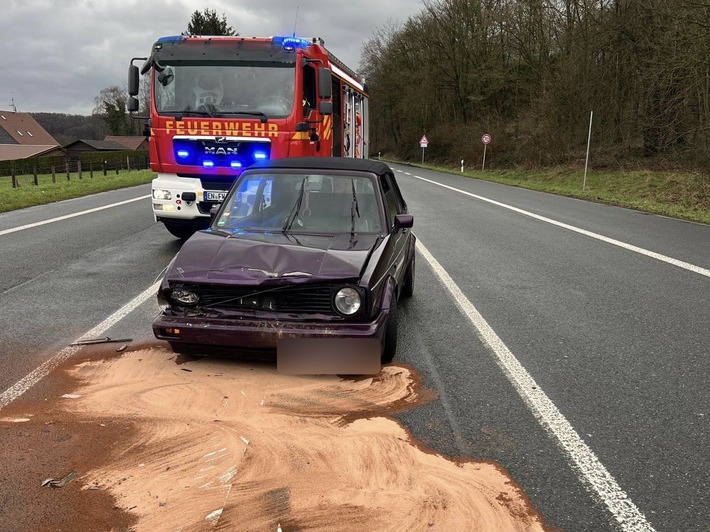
<point x="390" y="347"/>
<point x="408" y="284"/>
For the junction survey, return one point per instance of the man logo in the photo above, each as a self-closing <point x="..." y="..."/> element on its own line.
<point x="220" y="140"/>
<point x="220" y="151"/>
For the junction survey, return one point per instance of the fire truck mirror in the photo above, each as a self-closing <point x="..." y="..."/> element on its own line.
<point x="133" y="80"/>
<point x="132" y="105"/>
<point x="325" y="108"/>
<point x="325" y="88"/>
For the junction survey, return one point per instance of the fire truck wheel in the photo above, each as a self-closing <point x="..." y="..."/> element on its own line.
<point x="181" y="231"/>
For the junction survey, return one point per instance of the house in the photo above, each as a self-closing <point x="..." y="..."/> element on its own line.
<point x="75" y="149"/>
<point x="139" y="143"/>
<point x="22" y="137"/>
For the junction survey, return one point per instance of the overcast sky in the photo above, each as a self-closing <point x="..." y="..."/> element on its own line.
<point x="56" y="56"/>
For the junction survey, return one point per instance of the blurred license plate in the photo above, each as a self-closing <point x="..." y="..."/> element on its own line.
<point x="214" y="196"/>
<point x="328" y="356"/>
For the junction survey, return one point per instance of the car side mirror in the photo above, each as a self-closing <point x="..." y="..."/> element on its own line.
<point x="403" y="221"/>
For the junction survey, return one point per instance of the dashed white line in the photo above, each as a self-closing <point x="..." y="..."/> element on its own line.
<point x="27" y="382"/>
<point x="675" y="262"/>
<point x="67" y="216"/>
<point x="589" y="469"/>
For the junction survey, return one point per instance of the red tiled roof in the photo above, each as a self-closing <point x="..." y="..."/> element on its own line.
<point x="10" y="152"/>
<point x="25" y="130"/>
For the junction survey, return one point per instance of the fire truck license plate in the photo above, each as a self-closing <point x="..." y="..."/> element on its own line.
<point x="214" y="196"/>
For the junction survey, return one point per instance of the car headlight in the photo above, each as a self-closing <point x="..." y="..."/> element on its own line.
<point x="184" y="296"/>
<point x="162" y="194"/>
<point x="347" y="301"/>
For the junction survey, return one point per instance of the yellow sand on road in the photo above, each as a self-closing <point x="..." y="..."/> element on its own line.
<point x="236" y="446"/>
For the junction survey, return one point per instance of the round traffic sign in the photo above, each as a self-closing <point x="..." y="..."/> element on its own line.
<point x="486" y="138"/>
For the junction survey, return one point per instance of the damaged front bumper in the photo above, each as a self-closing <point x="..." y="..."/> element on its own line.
<point x="258" y="333"/>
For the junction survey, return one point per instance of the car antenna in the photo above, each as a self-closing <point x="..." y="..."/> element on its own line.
<point x="295" y="22"/>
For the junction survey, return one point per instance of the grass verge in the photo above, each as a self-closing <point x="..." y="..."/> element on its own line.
<point x="29" y="194"/>
<point x="684" y="195"/>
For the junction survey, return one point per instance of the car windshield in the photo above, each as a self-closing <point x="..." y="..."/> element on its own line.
<point x="226" y="90"/>
<point x="301" y="203"/>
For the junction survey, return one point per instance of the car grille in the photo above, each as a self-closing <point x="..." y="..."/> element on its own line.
<point x="292" y="299"/>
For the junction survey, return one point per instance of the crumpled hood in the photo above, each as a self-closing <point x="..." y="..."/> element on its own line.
<point x="272" y="258"/>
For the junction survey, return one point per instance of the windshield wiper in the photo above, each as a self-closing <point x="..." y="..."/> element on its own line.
<point x="354" y="208"/>
<point x="189" y="112"/>
<point x="261" y="115"/>
<point x="296" y="207"/>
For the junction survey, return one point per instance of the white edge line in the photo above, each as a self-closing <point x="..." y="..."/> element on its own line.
<point x="589" y="469"/>
<point x="27" y="382"/>
<point x="67" y="216"/>
<point x="675" y="262"/>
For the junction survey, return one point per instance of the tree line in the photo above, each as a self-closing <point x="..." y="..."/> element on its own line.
<point x="530" y="71"/>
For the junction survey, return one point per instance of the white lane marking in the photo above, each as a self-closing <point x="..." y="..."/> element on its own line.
<point x="675" y="262"/>
<point x="67" y="216"/>
<point x="589" y="469"/>
<point x="24" y="384"/>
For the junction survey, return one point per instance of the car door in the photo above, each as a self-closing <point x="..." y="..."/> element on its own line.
<point x="394" y="205"/>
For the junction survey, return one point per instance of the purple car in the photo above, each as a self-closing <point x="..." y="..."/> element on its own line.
<point x="301" y="248"/>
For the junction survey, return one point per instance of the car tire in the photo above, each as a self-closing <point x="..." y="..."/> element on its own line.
<point x="390" y="343"/>
<point x="408" y="284"/>
<point x="182" y="232"/>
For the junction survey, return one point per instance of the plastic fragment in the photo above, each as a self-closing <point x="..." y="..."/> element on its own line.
<point x="104" y="340"/>
<point x="52" y="483"/>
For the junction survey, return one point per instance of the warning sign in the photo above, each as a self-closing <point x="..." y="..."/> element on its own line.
<point x="423" y="142"/>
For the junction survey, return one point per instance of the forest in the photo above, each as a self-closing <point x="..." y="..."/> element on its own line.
<point x="529" y="72"/>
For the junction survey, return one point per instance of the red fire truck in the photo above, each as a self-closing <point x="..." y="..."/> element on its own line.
<point x="219" y="104"/>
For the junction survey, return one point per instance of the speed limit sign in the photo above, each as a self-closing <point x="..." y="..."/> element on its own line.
<point x="486" y="138"/>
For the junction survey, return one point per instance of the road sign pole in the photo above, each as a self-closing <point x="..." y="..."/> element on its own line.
<point x="423" y="148"/>
<point x="483" y="166"/>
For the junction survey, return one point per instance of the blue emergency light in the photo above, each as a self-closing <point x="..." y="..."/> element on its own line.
<point x="289" y="44"/>
<point x="259" y="155"/>
<point x="183" y="154"/>
<point x="208" y="164"/>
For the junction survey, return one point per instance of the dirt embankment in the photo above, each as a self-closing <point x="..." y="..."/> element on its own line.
<point x="217" y="444"/>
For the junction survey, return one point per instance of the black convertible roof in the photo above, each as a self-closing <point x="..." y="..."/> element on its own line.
<point x="325" y="163"/>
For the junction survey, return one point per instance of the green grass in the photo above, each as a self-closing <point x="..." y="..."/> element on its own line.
<point x="684" y="195"/>
<point x="29" y="194"/>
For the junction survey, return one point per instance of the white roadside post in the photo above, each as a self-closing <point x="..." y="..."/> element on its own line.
<point x="586" y="160"/>
<point x="462" y="166"/>
<point x="486" y="139"/>
<point x="423" y="142"/>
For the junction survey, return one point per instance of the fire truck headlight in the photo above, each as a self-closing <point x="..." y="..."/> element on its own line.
<point x="162" y="194"/>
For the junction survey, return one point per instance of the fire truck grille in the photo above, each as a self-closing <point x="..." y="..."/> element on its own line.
<point x="220" y="152"/>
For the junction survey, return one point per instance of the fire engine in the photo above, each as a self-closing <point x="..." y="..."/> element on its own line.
<point x="219" y="104"/>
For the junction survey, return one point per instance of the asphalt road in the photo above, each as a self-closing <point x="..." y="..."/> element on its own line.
<point x="615" y="339"/>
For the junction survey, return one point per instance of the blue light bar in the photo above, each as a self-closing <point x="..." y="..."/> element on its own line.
<point x="183" y="154"/>
<point x="208" y="164"/>
<point x="259" y="155"/>
<point x="289" y="44"/>
<point x="235" y="164"/>
<point x="172" y="38"/>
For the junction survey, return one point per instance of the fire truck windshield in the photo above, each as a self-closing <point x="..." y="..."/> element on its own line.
<point x="258" y="90"/>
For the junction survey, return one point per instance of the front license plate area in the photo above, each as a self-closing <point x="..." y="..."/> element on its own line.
<point x="214" y="196"/>
<point x="328" y="356"/>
